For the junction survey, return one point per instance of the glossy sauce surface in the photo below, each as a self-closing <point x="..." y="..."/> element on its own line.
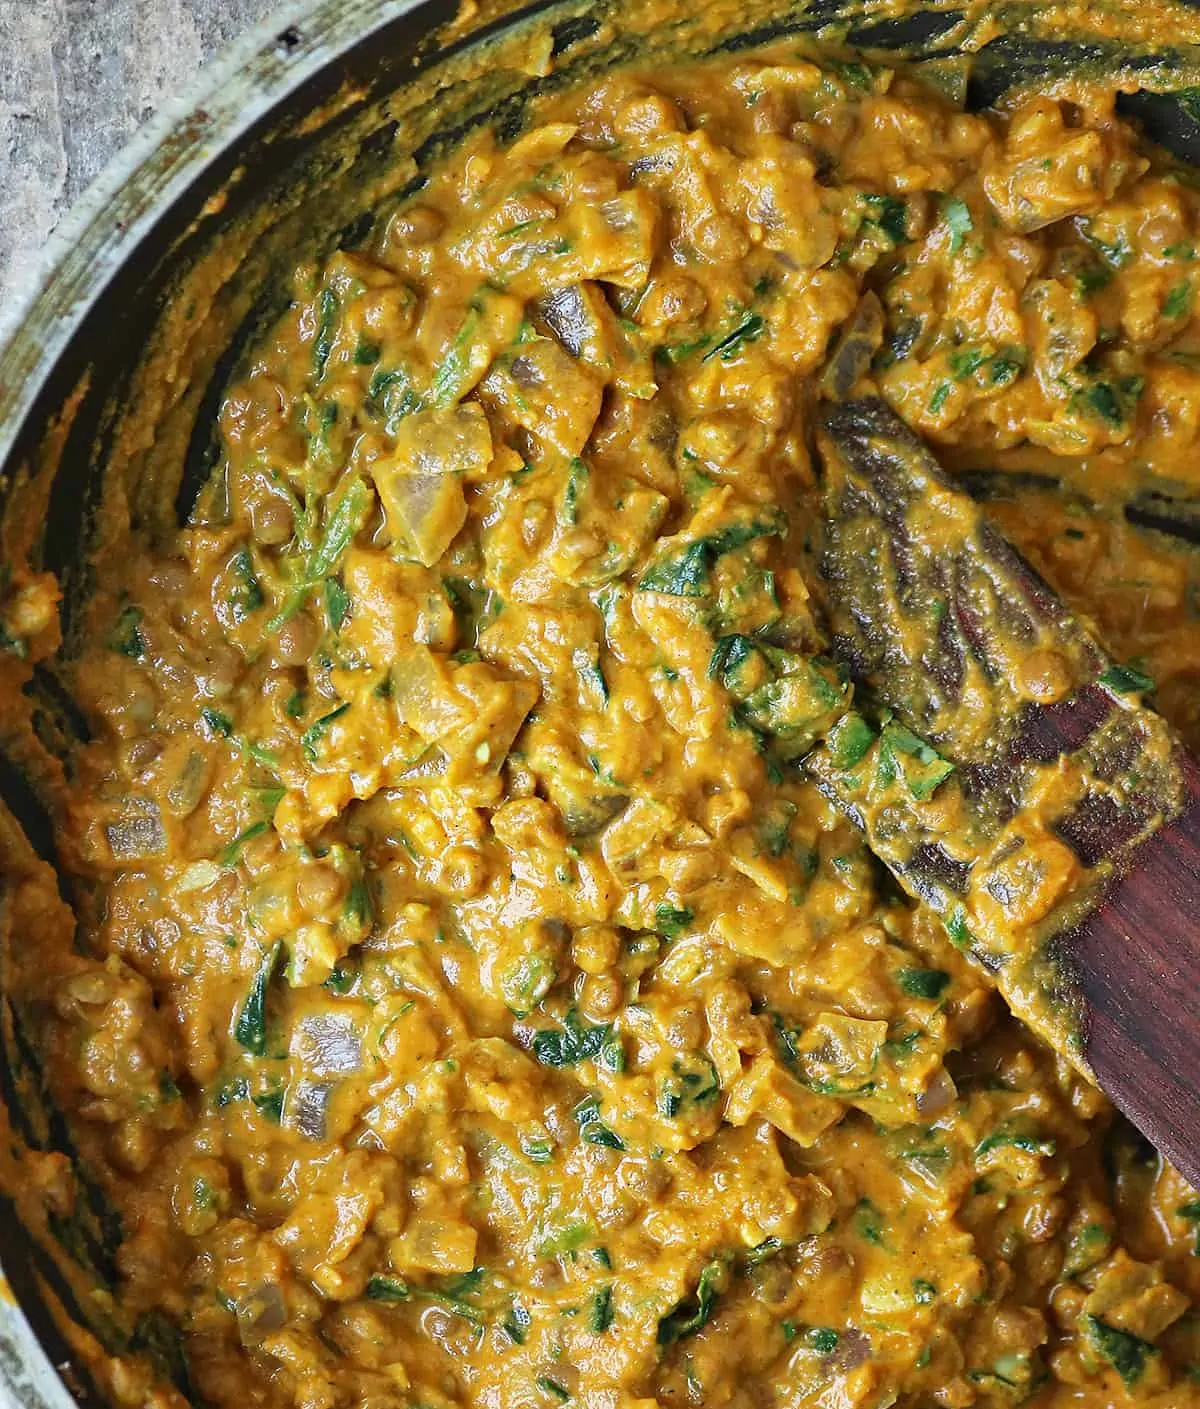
<point x="476" y="1004"/>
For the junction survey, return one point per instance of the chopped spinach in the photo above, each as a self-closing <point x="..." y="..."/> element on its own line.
<point x="1010" y="1136"/>
<point x="516" y="1324"/>
<point x="566" y="1240"/>
<point x="600" y="1311"/>
<point x="868" y="1222"/>
<point x="230" y="854"/>
<point x="674" y="353"/>
<point x="1126" y="1353"/>
<point x="391" y="396"/>
<point x="1001" y="367"/>
<point x="577" y="1042"/>
<point x="337" y="603"/>
<point x="1178" y="302"/>
<point x="317" y="730"/>
<point x="774" y="827"/>
<point x="269" y="1104"/>
<point x="217" y="723"/>
<point x="957" y="215"/>
<point x="693" y="1313"/>
<point x="1091" y="278"/>
<point x="684" y="572"/>
<point x="230" y="1091"/>
<point x="889" y="214"/>
<point x="452" y="1294"/>
<point x="344" y="976"/>
<point x="1112" y="402"/>
<point x="327" y="315"/>
<point x="671" y="922"/>
<point x="850" y="741"/>
<point x="247" y="594"/>
<point x="941" y="394"/>
<point x="1087" y="1246"/>
<point x="923" y="983"/>
<point x="729" y="654"/>
<point x="450" y="377"/>
<point x="966" y="361"/>
<point x="1116" y="252"/>
<point x="592" y="1129"/>
<point x="803" y="698"/>
<point x="343" y="523"/>
<point x="126" y="635"/>
<point x="744" y="530"/>
<point x="1126" y="680"/>
<point x="958" y="930"/>
<point x="357" y="911"/>
<point x="574" y="489"/>
<point x="692" y="1082"/>
<point x="748" y="330"/>
<point x="474" y="607"/>
<point x="762" y="1252"/>
<point x="853" y="75"/>
<point x="903" y="754"/>
<point x="537" y="1150"/>
<point x="1008" y="364"/>
<point x="250" y="1030"/>
<point x="389" y="1290"/>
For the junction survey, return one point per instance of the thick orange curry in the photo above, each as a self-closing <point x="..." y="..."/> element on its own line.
<point x="474" y="1003"/>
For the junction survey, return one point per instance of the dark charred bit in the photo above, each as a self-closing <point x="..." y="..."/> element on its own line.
<point x="987" y="484"/>
<point x="1046" y="732"/>
<point x="973" y="630"/>
<point x="1100" y="828"/>
<point x="1118" y="753"/>
<point x="1037" y="595"/>
<point x="933" y="868"/>
<point x="1164" y="513"/>
<point x="945" y="663"/>
<point x="993" y="788"/>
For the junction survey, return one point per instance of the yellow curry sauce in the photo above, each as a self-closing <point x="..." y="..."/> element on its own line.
<point x="474" y="1003"/>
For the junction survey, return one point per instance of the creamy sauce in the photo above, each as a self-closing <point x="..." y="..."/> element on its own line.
<point x="476" y="1004"/>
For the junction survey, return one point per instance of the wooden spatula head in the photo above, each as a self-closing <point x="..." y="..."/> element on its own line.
<point x="1069" y="797"/>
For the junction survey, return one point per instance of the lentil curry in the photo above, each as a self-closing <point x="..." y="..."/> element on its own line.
<point x="474" y="1003"/>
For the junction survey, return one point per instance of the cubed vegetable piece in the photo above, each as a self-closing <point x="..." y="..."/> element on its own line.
<point x="468" y="709"/>
<point x="453" y="441"/>
<point x="538" y="387"/>
<point x="492" y="322"/>
<point x="580" y="318"/>
<point x="1037" y="182"/>
<point x="424" y="512"/>
<point x="616" y="239"/>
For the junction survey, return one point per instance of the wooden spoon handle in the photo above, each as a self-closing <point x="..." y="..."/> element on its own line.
<point x="1137" y="957"/>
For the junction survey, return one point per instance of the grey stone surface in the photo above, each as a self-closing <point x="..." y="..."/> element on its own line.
<point x="77" y="78"/>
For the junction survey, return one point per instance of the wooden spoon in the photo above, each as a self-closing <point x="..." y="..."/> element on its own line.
<point x="1063" y="850"/>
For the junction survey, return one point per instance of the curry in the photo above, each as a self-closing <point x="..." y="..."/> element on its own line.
<point x="475" y="1001"/>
